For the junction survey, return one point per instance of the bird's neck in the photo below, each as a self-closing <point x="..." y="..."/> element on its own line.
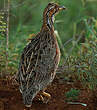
<point x="48" y="22"/>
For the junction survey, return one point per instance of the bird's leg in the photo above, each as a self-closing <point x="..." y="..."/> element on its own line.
<point x="46" y="94"/>
<point x="45" y="97"/>
<point x="41" y="98"/>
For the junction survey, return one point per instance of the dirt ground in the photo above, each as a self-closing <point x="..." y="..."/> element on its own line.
<point x="10" y="97"/>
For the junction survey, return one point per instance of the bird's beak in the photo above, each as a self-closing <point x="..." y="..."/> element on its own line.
<point x="62" y="8"/>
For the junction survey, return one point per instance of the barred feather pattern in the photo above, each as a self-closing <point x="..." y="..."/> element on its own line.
<point x="38" y="65"/>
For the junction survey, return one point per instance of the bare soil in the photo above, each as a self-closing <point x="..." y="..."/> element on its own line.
<point x="11" y="99"/>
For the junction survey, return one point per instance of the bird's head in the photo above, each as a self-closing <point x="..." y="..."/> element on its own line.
<point x="53" y="8"/>
<point x="50" y="11"/>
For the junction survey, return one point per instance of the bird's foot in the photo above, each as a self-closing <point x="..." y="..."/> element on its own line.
<point x="45" y="97"/>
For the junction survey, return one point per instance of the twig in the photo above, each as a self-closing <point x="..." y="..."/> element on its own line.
<point x="77" y="103"/>
<point x="68" y="41"/>
<point x="7" y="34"/>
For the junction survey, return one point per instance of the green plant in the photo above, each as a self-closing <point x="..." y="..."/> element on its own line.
<point x="2" y="41"/>
<point x="72" y="95"/>
<point x="82" y="64"/>
<point x="2" y="24"/>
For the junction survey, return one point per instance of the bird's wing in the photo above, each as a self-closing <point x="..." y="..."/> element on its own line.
<point x="37" y="62"/>
<point x="28" y="61"/>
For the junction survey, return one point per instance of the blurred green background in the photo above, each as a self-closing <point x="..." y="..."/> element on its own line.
<point x="26" y="18"/>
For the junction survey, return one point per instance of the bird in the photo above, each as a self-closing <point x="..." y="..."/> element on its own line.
<point x="39" y="59"/>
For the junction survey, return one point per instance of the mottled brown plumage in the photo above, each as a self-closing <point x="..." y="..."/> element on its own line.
<point x="40" y="58"/>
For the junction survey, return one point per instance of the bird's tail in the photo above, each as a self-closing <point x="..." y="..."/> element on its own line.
<point x="29" y="95"/>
